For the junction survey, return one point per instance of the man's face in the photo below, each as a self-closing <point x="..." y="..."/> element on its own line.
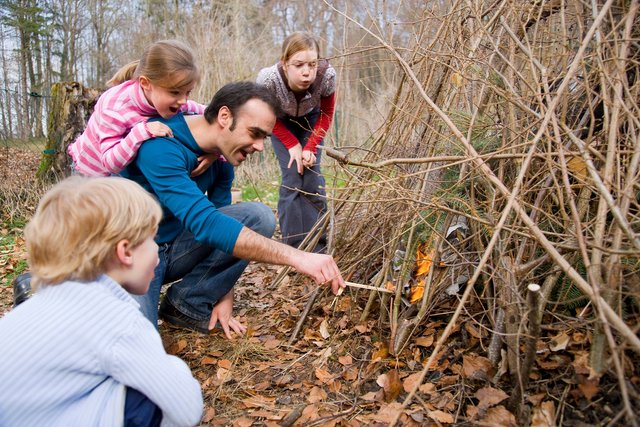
<point x="254" y="123"/>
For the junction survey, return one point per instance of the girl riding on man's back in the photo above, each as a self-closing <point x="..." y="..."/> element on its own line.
<point x="159" y="84"/>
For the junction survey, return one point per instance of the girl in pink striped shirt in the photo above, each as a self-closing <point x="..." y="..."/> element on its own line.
<point x="159" y="84"/>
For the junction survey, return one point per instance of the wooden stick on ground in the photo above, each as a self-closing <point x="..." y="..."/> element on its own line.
<point x="369" y="287"/>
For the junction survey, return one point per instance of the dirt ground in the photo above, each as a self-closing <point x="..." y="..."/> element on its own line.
<point x="17" y="166"/>
<point x="338" y="370"/>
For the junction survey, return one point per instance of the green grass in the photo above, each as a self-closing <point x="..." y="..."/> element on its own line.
<point x="11" y="263"/>
<point x="263" y="192"/>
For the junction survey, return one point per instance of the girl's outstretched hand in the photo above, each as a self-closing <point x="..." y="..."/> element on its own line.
<point x="295" y="155"/>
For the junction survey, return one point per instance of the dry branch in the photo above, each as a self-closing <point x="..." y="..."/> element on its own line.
<point x="529" y="114"/>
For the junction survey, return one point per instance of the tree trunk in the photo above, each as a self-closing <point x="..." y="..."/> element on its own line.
<point x="37" y="85"/>
<point x="71" y="107"/>
<point x="7" y="122"/>
<point x="24" y="120"/>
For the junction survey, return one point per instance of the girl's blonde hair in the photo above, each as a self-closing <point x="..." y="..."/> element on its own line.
<point x="78" y="222"/>
<point x="166" y="63"/>
<point x="297" y="42"/>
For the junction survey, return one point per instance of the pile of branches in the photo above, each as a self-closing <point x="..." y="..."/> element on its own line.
<point x="509" y="161"/>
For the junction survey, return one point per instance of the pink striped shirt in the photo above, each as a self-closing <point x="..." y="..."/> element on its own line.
<point x="116" y="129"/>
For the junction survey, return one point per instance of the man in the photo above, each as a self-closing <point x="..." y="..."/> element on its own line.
<point x="205" y="241"/>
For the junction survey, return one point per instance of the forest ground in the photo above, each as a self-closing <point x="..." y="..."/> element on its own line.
<point x="338" y="371"/>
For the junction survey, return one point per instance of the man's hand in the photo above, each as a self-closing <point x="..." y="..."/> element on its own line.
<point x="322" y="269"/>
<point x="308" y="159"/>
<point x="204" y="162"/>
<point x="295" y="155"/>
<point x="158" y="129"/>
<point x="222" y="313"/>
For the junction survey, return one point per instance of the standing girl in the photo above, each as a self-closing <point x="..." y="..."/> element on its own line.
<point x="305" y="87"/>
<point x="159" y="84"/>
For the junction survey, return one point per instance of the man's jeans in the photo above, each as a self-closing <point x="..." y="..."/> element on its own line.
<point x="207" y="273"/>
<point x="302" y="197"/>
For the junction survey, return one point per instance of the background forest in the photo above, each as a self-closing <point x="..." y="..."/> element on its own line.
<point x="483" y="177"/>
<point x="44" y="42"/>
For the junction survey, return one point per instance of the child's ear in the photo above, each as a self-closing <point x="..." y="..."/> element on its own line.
<point x="144" y="82"/>
<point x="123" y="252"/>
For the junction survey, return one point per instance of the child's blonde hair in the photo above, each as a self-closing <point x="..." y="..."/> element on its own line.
<point x="166" y="63"/>
<point x="297" y="42"/>
<point x="78" y="222"/>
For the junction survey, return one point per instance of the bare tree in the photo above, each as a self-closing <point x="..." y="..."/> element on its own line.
<point x="71" y="23"/>
<point x="104" y="17"/>
<point x="5" y="94"/>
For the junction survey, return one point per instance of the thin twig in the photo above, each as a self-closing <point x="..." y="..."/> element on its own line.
<point x="369" y="287"/>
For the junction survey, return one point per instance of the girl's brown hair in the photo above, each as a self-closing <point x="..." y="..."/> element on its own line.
<point x="297" y="42"/>
<point x="166" y="63"/>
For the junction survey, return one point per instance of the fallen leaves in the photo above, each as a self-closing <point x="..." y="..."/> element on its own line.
<point x="441" y="417"/>
<point x="259" y="401"/>
<point x="317" y="395"/>
<point x="559" y="342"/>
<point x="177" y="346"/>
<point x="588" y="386"/>
<point x="476" y="367"/>
<point x="12" y="254"/>
<point x="225" y="364"/>
<point x="271" y="343"/>
<point x="207" y="360"/>
<point x="424" y="257"/>
<point x="341" y="363"/>
<point x="324" y="329"/>
<point x="324" y="376"/>
<point x="410" y="381"/>
<point x="391" y="384"/>
<point x="242" y="422"/>
<point x="424" y="341"/>
<point x="363" y="328"/>
<point x="388" y="412"/>
<point x="544" y="415"/>
<point x="345" y="360"/>
<point x="222" y="376"/>
<point x="499" y="416"/>
<point x="18" y="166"/>
<point x="489" y="396"/>
<point x="381" y="353"/>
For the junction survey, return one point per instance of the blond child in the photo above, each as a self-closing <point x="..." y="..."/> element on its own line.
<point x="79" y="350"/>
<point x="159" y="84"/>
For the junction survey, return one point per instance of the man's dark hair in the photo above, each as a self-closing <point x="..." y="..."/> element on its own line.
<point x="235" y="95"/>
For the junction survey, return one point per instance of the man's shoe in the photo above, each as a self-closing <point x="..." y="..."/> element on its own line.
<point x="21" y="288"/>
<point x="176" y="318"/>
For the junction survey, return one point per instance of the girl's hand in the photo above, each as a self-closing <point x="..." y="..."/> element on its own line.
<point x="308" y="159"/>
<point x="204" y="162"/>
<point x="295" y="155"/>
<point x="158" y="129"/>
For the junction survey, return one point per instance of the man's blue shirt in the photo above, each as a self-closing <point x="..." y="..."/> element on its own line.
<point x="163" y="167"/>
